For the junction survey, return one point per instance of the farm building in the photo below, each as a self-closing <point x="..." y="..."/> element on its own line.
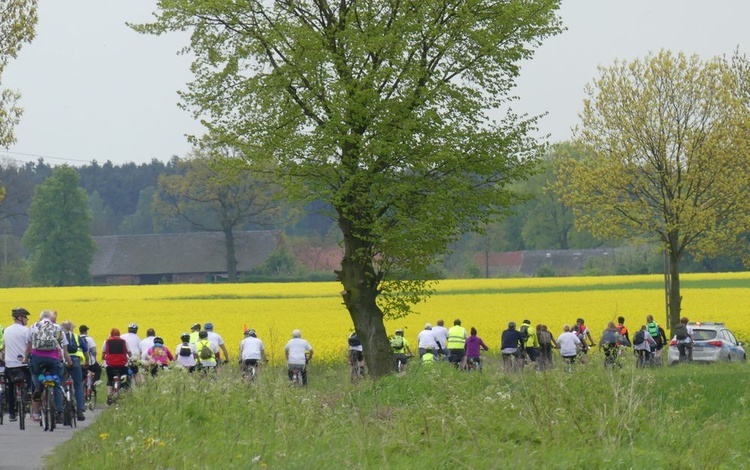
<point x="196" y="257"/>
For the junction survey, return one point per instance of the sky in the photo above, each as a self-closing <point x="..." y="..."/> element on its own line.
<point x="93" y="89"/>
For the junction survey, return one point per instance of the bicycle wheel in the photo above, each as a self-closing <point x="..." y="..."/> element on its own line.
<point x="48" y="409"/>
<point x="2" y="402"/>
<point x="21" y="406"/>
<point x="92" y="398"/>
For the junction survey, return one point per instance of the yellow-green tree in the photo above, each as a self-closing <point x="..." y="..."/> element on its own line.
<point x="665" y="145"/>
<point x="17" y="21"/>
<point x="215" y="191"/>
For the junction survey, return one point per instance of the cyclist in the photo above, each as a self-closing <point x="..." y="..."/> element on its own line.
<point x="252" y="351"/>
<point x="78" y="356"/>
<point x="185" y="353"/>
<point x="146" y="344"/>
<point x="133" y="341"/>
<point x="400" y="348"/>
<point x="511" y="344"/>
<point x="474" y="345"/>
<point x="441" y="337"/>
<point x="298" y="353"/>
<point x="92" y="361"/>
<point x="158" y="356"/>
<point x="207" y="352"/>
<point x="426" y="341"/>
<point x="356" y="354"/>
<point x="115" y="355"/>
<point x="457" y="344"/>
<point x="16" y="338"/>
<point x="47" y="349"/>
<point x="569" y="344"/>
<point x="216" y="338"/>
<point x="194" y="330"/>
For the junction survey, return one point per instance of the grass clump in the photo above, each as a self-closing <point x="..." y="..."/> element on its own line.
<point x="430" y="417"/>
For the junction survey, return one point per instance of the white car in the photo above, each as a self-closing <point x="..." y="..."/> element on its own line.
<point x="711" y="342"/>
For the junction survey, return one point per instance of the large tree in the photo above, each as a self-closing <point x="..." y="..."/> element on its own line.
<point x="59" y="235"/>
<point x="215" y="192"/>
<point x="666" y="154"/>
<point x="379" y="108"/>
<point x="17" y="22"/>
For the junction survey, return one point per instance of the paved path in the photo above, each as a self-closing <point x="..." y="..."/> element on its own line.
<point x="23" y="450"/>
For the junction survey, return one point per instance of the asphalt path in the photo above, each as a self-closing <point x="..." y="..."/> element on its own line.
<point x="27" y="449"/>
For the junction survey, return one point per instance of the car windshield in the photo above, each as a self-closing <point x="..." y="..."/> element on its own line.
<point x="703" y="335"/>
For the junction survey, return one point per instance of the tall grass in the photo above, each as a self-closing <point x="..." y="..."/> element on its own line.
<point x="431" y="417"/>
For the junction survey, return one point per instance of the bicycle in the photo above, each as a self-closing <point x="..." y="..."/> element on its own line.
<point x="511" y="362"/>
<point x="250" y="369"/>
<point x="474" y="363"/>
<point x="120" y="382"/>
<point x="70" y="410"/>
<point x="90" y="392"/>
<point x="49" y="415"/>
<point x="18" y="379"/>
<point x="356" y="371"/>
<point x="297" y="375"/>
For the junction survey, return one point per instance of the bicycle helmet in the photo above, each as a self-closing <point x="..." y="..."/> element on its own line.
<point x="511" y="324"/>
<point x="185" y="337"/>
<point x="196" y="327"/>
<point x="251" y="332"/>
<point x="133" y="326"/>
<point x="19" y="312"/>
<point x="400" y="332"/>
<point x="208" y="326"/>
<point x="158" y="340"/>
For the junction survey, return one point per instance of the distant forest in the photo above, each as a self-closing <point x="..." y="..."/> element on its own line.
<point x="121" y="196"/>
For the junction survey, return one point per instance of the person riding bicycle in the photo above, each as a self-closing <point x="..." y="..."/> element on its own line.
<point x="194" y="331"/>
<point x="158" y="356"/>
<point x="611" y="338"/>
<point x="92" y="362"/>
<point x="298" y="353"/>
<point x="115" y="355"/>
<point x="511" y="342"/>
<point x="400" y="348"/>
<point x="78" y="356"/>
<point x="48" y="350"/>
<point x="133" y="341"/>
<point x="252" y="352"/>
<point x="474" y="345"/>
<point x="216" y="338"/>
<point x="185" y="353"/>
<point x="356" y="353"/>
<point x="207" y="352"/>
<point x="457" y="344"/>
<point x="16" y="339"/>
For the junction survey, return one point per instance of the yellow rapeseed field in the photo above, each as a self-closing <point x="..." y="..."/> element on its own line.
<point x="274" y="310"/>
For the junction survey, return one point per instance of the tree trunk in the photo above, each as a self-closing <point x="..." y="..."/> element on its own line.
<point x="675" y="299"/>
<point x="231" y="258"/>
<point x="360" y="282"/>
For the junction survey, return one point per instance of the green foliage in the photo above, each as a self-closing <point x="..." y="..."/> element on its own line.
<point x="59" y="235"/>
<point x="18" y="20"/>
<point x="481" y="420"/>
<point x="545" y="270"/>
<point x="280" y="263"/>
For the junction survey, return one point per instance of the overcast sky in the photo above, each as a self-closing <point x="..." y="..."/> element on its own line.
<point x="95" y="90"/>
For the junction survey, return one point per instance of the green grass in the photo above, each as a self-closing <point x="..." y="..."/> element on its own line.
<point x="690" y="416"/>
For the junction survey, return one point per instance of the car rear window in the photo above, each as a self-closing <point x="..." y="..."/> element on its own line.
<point x="703" y="335"/>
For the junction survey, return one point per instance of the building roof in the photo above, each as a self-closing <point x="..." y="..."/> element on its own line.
<point x="196" y="252"/>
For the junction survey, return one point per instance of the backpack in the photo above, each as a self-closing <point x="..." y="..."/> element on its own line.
<point x="45" y="338"/>
<point x="397" y="343"/>
<point x="185" y="350"/>
<point x="639" y="338"/>
<point x="354" y="340"/>
<point x="205" y="352"/>
<point x="609" y="338"/>
<point x="72" y="343"/>
<point x="544" y="337"/>
<point x="524" y="332"/>
<point x="681" y="332"/>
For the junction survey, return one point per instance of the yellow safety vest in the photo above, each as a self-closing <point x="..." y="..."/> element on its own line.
<point x="456" y="337"/>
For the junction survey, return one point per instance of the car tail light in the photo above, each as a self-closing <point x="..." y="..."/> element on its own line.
<point x="714" y="343"/>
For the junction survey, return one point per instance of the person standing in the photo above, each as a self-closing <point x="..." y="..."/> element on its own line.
<point x="457" y="336"/>
<point x="16" y="339"/>
<point x="78" y="357"/>
<point x="298" y="353"/>
<point x="441" y="338"/>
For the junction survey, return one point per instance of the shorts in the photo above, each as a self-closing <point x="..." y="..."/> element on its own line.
<point x="358" y="355"/>
<point x="114" y="371"/>
<point x="456" y="355"/>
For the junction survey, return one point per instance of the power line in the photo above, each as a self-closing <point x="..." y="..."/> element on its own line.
<point x="36" y="155"/>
